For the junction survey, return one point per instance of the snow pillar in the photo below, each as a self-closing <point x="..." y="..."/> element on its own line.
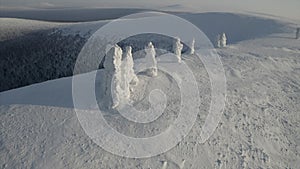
<point x="192" y="50"/>
<point x="218" y="41"/>
<point x="112" y="67"/>
<point x="128" y="76"/>
<point x="150" y="59"/>
<point x="223" y="40"/>
<point x="177" y="48"/>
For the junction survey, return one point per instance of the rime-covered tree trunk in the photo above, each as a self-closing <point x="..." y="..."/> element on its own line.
<point x="150" y="59"/>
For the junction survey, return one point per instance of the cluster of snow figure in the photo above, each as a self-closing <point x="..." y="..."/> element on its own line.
<point x="120" y="75"/>
<point x="222" y="41"/>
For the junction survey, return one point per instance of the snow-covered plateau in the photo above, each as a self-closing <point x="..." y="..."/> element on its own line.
<point x="259" y="128"/>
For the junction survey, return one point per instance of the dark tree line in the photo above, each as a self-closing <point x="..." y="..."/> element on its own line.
<point x="50" y="54"/>
<point x="37" y="57"/>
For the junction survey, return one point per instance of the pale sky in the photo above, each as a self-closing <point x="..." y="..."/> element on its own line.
<point x="283" y="8"/>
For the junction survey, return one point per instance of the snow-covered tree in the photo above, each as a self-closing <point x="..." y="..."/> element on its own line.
<point x="113" y="59"/>
<point x="223" y="40"/>
<point x="298" y="33"/>
<point x="112" y="66"/>
<point x="128" y="76"/>
<point x="177" y="48"/>
<point x="192" y="50"/>
<point x="128" y="60"/>
<point x="150" y="59"/>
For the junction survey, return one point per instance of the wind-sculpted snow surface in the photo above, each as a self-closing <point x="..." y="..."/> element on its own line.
<point x="40" y="128"/>
<point x="115" y="142"/>
<point x="258" y="129"/>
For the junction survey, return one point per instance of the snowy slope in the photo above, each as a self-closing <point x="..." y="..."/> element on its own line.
<point x="35" y="51"/>
<point x="259" y="127"/>
<point x="11" y="27"/>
